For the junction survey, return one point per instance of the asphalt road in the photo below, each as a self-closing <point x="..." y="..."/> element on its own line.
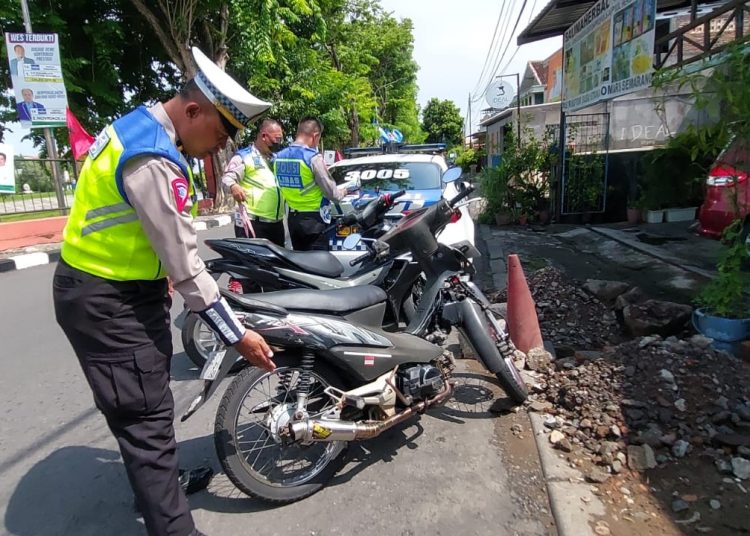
<point x="441" y="474"/>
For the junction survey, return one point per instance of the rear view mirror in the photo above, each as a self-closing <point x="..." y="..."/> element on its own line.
<point x="452" y="174"/>
<point x="352" y="241"/>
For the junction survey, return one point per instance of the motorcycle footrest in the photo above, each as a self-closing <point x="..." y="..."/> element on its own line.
<point x="354" y="401"/>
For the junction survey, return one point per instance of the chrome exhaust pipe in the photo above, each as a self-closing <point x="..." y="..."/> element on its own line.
<point x="328" y="430"/>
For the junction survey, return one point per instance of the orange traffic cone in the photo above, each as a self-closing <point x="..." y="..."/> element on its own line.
<point x="523" y="324"/>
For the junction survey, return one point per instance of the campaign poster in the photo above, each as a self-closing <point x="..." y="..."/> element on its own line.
<point x="7" y="171"/>
<point x="37" y="79"/>
<point x="608" y="52"/>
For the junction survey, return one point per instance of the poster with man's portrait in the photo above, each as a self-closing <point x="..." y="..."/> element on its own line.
<point x="36" y="74"/>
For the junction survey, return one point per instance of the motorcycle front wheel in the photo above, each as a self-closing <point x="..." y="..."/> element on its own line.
<point x="255" y="407"/>
<point x="509" y="376"/>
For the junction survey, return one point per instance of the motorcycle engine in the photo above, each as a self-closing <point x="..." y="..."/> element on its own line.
<point x="420" y="382"/>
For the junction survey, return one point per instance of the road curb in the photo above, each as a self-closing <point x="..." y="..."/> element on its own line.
<point x="573" y="505"/>
<point x="38" y="258"/>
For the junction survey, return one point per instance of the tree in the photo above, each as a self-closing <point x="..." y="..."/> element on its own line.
<point x="346" y="61"/>
<point x="110" y="58"/>
<point x="442" y="121"/>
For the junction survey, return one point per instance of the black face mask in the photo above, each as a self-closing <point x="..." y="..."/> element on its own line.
<point x="276" y="147"/>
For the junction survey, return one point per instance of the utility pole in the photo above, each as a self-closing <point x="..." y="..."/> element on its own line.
<point x="471" y="141"/>
<point x="49" y="139"/>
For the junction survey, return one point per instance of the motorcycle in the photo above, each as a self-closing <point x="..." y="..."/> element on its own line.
<point x="340" y="377"/>
<point x="257" y="265"/>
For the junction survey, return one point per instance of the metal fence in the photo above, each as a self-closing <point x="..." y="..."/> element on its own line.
<point x="42" y="184"/>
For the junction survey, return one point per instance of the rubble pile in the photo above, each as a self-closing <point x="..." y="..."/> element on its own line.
<point x="570" y="317"/>
<point x="648" y="402"/>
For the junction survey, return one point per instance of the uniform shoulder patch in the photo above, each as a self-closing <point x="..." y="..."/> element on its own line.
<point x="181" y="191"/>
<point x="101" y="141"/>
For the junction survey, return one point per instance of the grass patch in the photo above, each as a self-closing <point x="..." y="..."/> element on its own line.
<point x="11" y="198"/>
<point x="30" y="215"/>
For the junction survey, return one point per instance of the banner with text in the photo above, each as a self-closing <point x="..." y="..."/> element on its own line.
<point x="608" y="52"/>
<point x="37" y="78"/>
<point x="7" y="172"/>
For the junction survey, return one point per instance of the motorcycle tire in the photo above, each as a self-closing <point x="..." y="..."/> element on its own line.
<point x="496" y="354"/>
<point x="236" y="465"/>
<point x="192" y="348"/>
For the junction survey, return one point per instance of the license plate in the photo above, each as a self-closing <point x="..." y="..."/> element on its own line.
<point x="346" y="230"/>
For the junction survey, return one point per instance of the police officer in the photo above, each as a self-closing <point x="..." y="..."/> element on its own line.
<point x="250" y="180"/>
<point x="130" y="226"/>
<point x="307" y="187"/>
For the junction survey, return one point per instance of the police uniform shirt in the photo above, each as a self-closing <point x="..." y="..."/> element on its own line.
<point x="235" y="170"/>
<point x="150" y="183"/>
<point x="324" y="180"/>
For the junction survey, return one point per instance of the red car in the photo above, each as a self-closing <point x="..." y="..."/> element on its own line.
<point x="726" y="175"/>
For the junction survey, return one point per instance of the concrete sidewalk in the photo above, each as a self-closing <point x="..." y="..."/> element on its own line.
<point x="673" y="265"/>
<point x="20" y="234"/>
<point x="30" y="243"/>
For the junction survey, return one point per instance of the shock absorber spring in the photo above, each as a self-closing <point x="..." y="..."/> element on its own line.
<point x="305" y="383"/>
<point x="305" y="380"/>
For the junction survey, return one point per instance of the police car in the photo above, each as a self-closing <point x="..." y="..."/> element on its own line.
<point x="417" y="169"/>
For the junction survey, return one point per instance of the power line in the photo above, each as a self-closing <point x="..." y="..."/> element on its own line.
<point x="489" y="50"/>
<point x="515" y="27"/>
<point x="515" y="52"/>
<point x="503" y="43"/>
<point x="482" y="84"/>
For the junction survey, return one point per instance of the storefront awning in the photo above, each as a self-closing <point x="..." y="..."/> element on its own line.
<point x="559" y="15"/>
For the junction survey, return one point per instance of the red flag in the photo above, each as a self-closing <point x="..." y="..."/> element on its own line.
<point x="80" y="140"/>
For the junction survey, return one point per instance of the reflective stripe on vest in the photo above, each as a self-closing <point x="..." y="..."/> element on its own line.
<point x="103" y="235"/>
<point x="262" y="195"/>
<point x="294" y="174"/>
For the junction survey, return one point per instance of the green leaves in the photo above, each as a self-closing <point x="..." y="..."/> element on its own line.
<point x="442" y="121"/>
<point x="345" y="60"/>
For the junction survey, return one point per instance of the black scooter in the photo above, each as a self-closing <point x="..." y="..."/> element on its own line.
<point x="340" y="377"/>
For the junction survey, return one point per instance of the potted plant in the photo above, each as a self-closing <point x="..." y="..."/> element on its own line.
<point x="724" y="304"/>
<point x="494" y="183"/>
<point x="634" y="207"/>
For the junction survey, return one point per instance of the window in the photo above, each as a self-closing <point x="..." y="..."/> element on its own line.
<point x="539" y="98"/>
<point x="391" y="175"/>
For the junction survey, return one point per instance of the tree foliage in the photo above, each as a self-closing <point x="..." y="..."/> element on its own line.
<point x="442" y="121"/>
<point x="347" y="61"/>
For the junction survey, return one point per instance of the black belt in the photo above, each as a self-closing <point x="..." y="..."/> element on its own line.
<point x="293" y="211"/>
<point x="252" y="217"/>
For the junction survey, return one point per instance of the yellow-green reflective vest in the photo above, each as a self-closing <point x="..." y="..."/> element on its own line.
<point x="294" y="174"/>
<point x="263" y="198"/>
<point x="103" y="235"/>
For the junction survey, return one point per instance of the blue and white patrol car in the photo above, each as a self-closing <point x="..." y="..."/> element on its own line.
<point x="419" y="174"/>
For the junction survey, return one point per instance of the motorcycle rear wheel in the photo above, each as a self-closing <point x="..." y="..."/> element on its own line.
<point x="245" y="467"/>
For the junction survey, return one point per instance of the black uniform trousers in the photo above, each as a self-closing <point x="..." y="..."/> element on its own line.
<point x="273" y="231"/>
<point x="120" y="333"/>
<point x="306" y="231"/>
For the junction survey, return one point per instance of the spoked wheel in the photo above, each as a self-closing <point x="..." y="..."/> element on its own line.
<point x="249" y="438"/>
<point x="200" y="341"/>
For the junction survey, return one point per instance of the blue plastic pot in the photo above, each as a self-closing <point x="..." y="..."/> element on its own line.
<point x="726" y="332"/>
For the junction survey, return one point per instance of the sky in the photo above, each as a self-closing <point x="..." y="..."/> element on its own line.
<point x="451" y="41"/>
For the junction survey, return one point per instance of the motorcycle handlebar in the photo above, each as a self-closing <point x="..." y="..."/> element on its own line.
<point x="359" y="259"/>
<point x="460" y="196"/>
<point x="396" y="196"/>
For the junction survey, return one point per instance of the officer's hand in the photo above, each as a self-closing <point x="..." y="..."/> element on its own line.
<point x="238" y="193"/>
<point x="255" y="350"/>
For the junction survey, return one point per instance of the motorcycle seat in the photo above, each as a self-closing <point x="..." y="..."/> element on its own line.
<point x="343" y="300"/>
<point x="315" y="262"/>
<point x="247" y="303"/>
